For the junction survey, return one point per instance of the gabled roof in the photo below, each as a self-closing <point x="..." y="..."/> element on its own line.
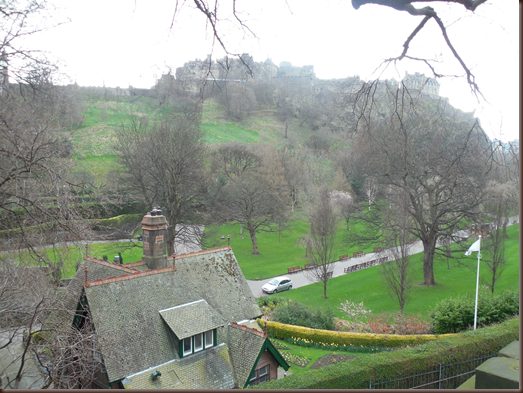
<point x="209" y="369"/>
<point x="125" y="314"/>
<point x="245" y="348"/>
<point x="193" y="318"/>
<point x="216" y="276"/>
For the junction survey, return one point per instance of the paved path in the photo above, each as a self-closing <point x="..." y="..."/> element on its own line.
<point x="300" y="279"/>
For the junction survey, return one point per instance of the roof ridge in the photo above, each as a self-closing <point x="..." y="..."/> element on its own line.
<point x="108" y="264"/>
<point x="249" y="329"/>
<point x="201" y="252"/>
<point x="137" y="263"/>
<point x="124" y="277"/>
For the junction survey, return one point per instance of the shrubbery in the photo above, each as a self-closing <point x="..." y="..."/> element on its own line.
<point x="340" y="339"/>
<point x="356" y="373"/>
<point x="457" y="314"/>
<point x="291" y="312"/>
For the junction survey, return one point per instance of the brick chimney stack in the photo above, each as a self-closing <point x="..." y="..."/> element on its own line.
<point x="154" y="226"/>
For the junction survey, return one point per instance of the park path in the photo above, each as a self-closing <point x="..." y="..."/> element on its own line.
<point x="300" y="279"/>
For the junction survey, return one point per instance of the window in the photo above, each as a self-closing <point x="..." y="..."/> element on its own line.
<point x="187" y="346"/>
<point x="198" y="342"/>
<point x="260" y="375"/>
<point x="209" y="339"/>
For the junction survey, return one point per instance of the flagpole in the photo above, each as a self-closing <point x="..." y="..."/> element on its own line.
<point x="477" y="287"/>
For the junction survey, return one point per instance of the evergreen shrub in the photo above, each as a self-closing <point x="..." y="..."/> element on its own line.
<point x="457" y="314"/>
<point x="292" y="312"/>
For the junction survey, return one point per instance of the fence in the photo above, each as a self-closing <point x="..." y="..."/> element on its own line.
<point x="445" y="376"/>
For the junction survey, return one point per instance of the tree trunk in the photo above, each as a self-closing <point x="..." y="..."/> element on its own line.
<point x="285" y="129"/>
<point x="429" y="246"/>
<point x="325" y="288"/>
<point x="170" y="240"/>
<point x="254" y="243"/>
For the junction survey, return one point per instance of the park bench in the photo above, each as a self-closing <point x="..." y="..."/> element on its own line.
<point x="345" y="256"/>
<point x="329" y="275"/>
<point x="309" y="266"/>
<point x="378" y="249"/>
<point x="293" y="269"/>
<point x="348" y="269"/>
<point x="384" y="259"/>
<point x="358" y="254"/>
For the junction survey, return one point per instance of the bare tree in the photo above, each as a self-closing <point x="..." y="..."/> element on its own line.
<point x="234" y="159"/>
<point x="163" y="165"/>
<point x="252" y="202"/>
<point x="435" y="155"/>
<point x="344" y="204"/>
<point x="320" y="244"/>
<point x="397" y="273"/>
<point x="37" y="324"/>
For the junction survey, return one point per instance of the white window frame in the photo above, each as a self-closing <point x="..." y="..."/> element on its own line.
<point x="207" y="343"/>
<point x="185" y="353"/>
<point x="200" y="348"/>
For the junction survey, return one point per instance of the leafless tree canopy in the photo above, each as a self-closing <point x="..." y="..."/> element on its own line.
<point x="439" y="158"/>
<point x="320" y="242"/>
<point x="163" y="165"/>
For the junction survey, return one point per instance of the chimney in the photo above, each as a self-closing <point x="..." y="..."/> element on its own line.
<point x="154" y="226"/>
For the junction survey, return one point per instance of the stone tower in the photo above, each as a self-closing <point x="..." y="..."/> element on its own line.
<point x="154" y="226"/>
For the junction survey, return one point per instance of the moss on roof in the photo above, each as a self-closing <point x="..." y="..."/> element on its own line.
<point x="210" y="369"/>
<point x="126" y="313"/>
<point x="217" y="277"/>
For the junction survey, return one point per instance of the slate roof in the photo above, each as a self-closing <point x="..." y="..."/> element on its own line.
<point x="216" y="276"/>
<point x="190" y="319"/>
<point x="209" y="369"/>
<point x="125" y="314"/>
<point x="136" y="313"/>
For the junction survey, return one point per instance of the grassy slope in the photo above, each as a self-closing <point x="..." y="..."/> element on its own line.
<point x="93" y="141"/>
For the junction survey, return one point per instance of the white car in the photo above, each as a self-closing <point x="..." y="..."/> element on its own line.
<point x="277" y="284"/>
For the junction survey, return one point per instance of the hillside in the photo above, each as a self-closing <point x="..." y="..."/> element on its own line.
<point x="93" y="140"/>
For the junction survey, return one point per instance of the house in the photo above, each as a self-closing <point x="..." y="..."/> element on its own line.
<point x="179" y="322"/>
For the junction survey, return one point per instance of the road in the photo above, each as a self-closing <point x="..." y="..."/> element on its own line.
<point x="300" y="279"/>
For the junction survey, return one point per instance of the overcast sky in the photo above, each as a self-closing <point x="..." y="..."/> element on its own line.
<point x="130" y="42"/>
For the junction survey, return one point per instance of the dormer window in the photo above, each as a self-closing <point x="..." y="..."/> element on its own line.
<point x="197" y="343"/>
<point x="193" y="325"/>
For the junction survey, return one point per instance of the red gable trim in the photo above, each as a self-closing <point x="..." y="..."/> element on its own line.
<point x="203" y="252"/>
<point x="248" y="329"/>
<point x="129" y="276"/>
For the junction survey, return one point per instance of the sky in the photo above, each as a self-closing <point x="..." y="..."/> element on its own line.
<point x="132" y="42"/>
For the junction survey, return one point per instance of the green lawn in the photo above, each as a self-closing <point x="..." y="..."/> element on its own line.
<point x="366" y="285"/>
<point x="275" y="256"/>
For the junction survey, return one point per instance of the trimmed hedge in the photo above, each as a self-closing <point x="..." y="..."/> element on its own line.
<point x="356" y="373"/>
<point x="283" y="331"/>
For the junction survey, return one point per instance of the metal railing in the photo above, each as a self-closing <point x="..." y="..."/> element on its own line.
<point x="445" y="376"/>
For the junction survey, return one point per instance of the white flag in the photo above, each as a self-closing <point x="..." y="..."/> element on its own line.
<point x="475" y="247"/>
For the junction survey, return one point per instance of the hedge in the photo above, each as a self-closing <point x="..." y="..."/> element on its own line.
<point x="356" y="373"/>
<point x="280" y="330"/>
<point x="457" y="314"/>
